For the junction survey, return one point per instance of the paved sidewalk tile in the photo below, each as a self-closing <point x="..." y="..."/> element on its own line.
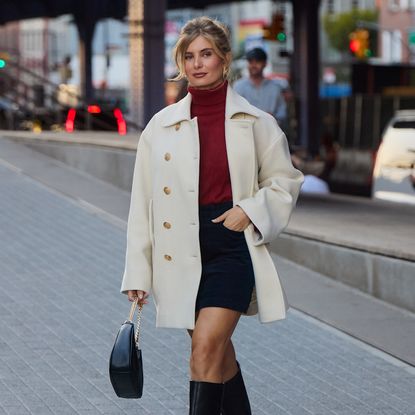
<point x="60" y="272"/>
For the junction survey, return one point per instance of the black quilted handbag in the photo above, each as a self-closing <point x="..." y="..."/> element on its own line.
<point x="126" y="364"/>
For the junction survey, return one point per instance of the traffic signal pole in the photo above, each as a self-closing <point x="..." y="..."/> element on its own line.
<point x="306" y="72"/>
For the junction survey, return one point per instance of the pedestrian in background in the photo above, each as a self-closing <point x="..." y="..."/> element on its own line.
<point x="213" y="185"/>
<point x="263" y="93"/>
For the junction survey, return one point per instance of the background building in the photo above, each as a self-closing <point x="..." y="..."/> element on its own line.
<point x="397" y="29"/>
<point x="43" y="44"/>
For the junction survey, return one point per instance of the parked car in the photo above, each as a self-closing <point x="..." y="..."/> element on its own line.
<point x="394" y="171"/>
<point x="96" y="117"/>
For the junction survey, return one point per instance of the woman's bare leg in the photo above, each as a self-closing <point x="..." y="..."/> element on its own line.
<point x="229" y="366"/>
<point x="213" y="356"/>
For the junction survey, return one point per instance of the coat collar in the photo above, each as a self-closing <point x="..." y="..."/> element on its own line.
<point x="180" y="111"/>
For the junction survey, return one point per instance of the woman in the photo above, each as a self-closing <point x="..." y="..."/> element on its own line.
<point x="213" y="184"/>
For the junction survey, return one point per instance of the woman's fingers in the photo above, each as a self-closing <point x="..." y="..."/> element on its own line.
<point x="222" y="217"/>
<point x="132" y="294"/>
<point x="234" y="219"/>
<point x="143" y="299"/>
<point x="141" y="295"/>
<point x="237" y="220"/>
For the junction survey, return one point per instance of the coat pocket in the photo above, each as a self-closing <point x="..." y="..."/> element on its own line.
<point x="151" y="222"/>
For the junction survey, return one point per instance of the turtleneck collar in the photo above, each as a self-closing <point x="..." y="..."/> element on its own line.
<point x="209" y="97"/>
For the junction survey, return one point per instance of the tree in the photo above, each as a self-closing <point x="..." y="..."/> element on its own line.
<point x="339" y="26"/>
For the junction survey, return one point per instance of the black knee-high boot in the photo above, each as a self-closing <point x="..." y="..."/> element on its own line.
<point x="235" y="399"/>
<point x="205" y="398"/>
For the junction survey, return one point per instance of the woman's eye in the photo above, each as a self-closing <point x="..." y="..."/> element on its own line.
<point x="188" y="57"/>
<point x="207" y="54"/>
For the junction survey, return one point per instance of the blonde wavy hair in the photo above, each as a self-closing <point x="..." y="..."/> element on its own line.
<point x="213" y="31"/>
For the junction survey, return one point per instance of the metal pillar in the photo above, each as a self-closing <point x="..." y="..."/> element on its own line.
<point x="135" y="17"/>
<point x="306" y="72"/>
<point x="146" y="18"/>
<point x="86" y="28"/>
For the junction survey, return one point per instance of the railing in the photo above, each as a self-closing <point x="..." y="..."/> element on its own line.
<point x="354" y="122"/>
<point x="358" y="121"/>
<point x="38" y="96"/>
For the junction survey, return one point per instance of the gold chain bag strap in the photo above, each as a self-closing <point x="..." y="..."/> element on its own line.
<point x="126" y="362"/>
<point x="138" y="324"/>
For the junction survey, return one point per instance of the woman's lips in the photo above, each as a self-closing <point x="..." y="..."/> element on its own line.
<point x="199" y="75"/>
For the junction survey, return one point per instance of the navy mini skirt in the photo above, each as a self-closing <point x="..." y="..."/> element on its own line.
<point x="227" y="274"/>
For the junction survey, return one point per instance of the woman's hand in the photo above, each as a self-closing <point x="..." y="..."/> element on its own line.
<point x="234" y="219"/>
<point x="142" y="295"/>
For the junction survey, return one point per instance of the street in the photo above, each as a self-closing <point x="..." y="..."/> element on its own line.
<point x="61" y="267"/>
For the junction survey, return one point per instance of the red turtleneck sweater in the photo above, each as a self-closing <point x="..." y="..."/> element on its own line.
<point x="208" y="105"/>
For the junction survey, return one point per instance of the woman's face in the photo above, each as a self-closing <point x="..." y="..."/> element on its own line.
<point x="203" y="67"/>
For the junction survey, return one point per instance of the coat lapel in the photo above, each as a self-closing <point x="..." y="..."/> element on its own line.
<point x="240" y="145"/>
<point x="180" y="111"/>
<point x="236" y="104"/>
<point x="240" y="148"/>
<point x="176" y="113"/>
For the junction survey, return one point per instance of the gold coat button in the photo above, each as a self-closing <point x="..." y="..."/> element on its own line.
<point x="167" y="156"/>
<point x="167" y="257"/>
<point x="166" y="190"/>
<point x="167" y="225"/>
<point x="177" y="126"/>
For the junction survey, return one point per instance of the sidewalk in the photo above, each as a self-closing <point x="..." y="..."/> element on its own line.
<point x="61" y="265"/>
<point x="341" y="219"/>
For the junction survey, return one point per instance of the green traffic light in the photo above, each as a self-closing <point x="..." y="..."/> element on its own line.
<point x="368" y="53"/>
<point x="281" y="37"/>
<point x="2" y="63"/>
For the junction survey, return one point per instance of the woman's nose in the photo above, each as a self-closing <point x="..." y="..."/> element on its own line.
<point x="197" y="63"/>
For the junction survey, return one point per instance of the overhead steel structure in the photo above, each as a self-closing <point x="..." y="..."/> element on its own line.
<point x="86" y="14"/>
<point x="147" y="27"/>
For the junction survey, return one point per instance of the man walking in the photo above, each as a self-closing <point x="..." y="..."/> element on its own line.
<point x="264" y="93"/>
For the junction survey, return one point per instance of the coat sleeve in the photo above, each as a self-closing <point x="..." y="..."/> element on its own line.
<point x="279" y="183"/>
<point x="138" y="258"/>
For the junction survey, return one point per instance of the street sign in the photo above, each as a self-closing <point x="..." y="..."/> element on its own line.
<point x="411" y="37"/>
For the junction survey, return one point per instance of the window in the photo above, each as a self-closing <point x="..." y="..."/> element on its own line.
<point x="394" y="5"/>
<point x="404" y="4"/>
<point x="386" y="46"/>
<point x="399" y="5"/>
<point x="396" y="46"/>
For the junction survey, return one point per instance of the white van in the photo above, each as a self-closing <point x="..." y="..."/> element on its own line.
<point x="394" y="171"/>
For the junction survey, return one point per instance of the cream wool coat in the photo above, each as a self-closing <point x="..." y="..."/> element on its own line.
<point x="163" y="253"/>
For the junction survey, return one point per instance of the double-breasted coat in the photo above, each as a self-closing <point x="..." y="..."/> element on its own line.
<point x="163" y="253"/>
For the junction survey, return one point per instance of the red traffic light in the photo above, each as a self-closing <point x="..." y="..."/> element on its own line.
<point x="354" y="45"/>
